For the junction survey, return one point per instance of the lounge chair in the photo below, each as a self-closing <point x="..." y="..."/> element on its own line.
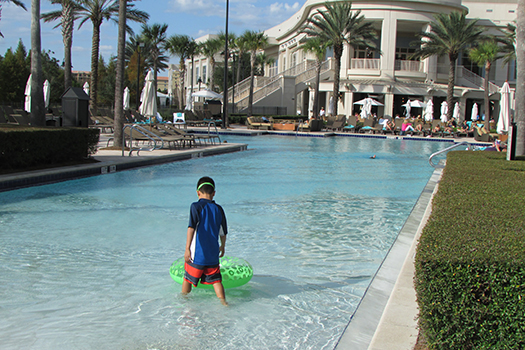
<point x="338" y="123"/>
<point x="258" y="123"/>
<point x="191" y="138"/>
<point x="480" y="134"/>
<point x="329" y="122"/>
<point x="351" y="122"/>
<point x="369" y="125"/>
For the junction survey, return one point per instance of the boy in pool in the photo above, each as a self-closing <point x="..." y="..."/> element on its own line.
<point x="206" y="227"/>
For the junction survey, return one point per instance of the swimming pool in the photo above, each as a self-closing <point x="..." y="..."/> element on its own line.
<point x="85" y="262"/>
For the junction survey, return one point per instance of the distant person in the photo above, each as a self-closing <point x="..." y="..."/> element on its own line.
<point x="406" y="127"/>
<point x="206" y="227"/>
<point x="322" y="112"/>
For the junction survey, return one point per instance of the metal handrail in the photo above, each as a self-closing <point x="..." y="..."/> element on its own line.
<point x="447" y="149"/>
<point x="216" y="131"/>
<point x="144" y="132"/>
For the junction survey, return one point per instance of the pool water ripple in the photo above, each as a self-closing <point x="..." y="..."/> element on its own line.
<point x="85" y="262"/>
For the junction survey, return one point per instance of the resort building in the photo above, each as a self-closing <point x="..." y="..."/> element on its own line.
<point x="389" y="75"/>
<point x="81" y="76"/>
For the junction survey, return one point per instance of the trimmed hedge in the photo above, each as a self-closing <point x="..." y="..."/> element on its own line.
<point x="23" y="147"/>
<point x="470" y="261"/>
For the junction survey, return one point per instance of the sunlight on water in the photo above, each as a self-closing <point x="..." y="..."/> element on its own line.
<point x="85" y="263"/>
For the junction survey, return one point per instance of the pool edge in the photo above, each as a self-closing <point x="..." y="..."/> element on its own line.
<point x="372" y="325"/>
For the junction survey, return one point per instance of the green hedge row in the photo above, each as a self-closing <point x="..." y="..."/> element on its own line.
<point x="23" y="147"/>
<point x="470" y="261"/>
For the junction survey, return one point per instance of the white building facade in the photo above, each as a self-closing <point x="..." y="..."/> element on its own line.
<point x="390" y="76"/>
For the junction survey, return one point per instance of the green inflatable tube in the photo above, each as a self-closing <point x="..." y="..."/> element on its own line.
<point x="235" y="272"/>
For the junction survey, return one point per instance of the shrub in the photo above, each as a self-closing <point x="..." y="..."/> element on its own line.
<point x="23" y="147"/>
<point x="470" y="261"/>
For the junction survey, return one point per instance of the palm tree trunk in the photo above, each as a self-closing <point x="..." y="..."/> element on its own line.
<point x="95" y="42"/>
<point x="38" y="115"/>
<point x="67" y="36"/>
<point x="450" y="88"/>
<point x="212" y="70"/>
<point x="338" y="53"/>
<point x="520" y="81"/>
<point x="118" y="121"/>
<point x="182" y="70"/>
<point x="238" y="79"/>
<point x="486" y="96"/>
<point x="316" y="93"/>
<point x="252" y="78"/>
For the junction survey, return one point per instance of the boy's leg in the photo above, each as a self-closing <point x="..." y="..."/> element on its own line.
<point x="186" y="287"/>
<point x="219" y="290"/>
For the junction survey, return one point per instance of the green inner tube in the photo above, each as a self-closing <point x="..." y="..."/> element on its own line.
<point x="235" y="272"/>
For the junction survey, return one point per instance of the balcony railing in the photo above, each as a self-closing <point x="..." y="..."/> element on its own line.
<point x="408" y="66"/>
<point x="365" y="63"/>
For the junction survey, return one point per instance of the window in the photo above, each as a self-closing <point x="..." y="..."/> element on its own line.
<point x="363" y="52"/>
<point x="204" y="78"/>
<point x="404" y="53"/>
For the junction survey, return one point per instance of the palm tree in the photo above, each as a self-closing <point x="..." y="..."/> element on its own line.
<point x="241" y="48"/>
<point x="118" y="121"/>
<point x="155" y="37"/>
<point x="67" y="18"/>
<point x="16" y="2"/>
<point x="38" y="114"/>
<point x="339" y="25"/>
<point x="254" y="42"/>
<point x="209" y="49"/>
<point x="178" y="45"/>
<point x="509" y="43"/>
<point x="485" y="54"/>
<point x="520" y="80"/>
<point x="449" y="35"/>
<point x="318" y="47"/>
<point x="97" y="11"/>
<point x="264" y="60"/>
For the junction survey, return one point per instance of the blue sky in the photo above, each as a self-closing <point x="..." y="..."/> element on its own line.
<point x="191" y="17"/>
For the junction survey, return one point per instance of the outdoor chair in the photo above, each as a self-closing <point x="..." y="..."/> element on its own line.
<point x="351" y="122"/>
<point x="369" y="125"/>
<point x="339" y="123"/>
<point x="480" y="134"/>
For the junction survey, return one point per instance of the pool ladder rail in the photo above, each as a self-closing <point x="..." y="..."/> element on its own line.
<point x="153" y="139"/>
<point x="216" y="131"/>
<point x="464" y="143"/>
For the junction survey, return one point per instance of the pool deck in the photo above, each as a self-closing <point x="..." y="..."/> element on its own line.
<point x="385" y="318"/>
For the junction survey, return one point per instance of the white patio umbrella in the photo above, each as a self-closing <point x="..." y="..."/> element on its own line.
<point x="444" y="111"/>
<point x="428" y="114"/>
<point x="148" y="107"/>
<point x="331" y="106"/>
<point x="27" y="93"/>
<point x="311" y="103"/>
<point x="474" y="114"/>
<point x="47" y="93"/>
<point x="366" y="110"/>
<point x="125" y="102"/>
<point x="368" y="99"/>
<point x="189" y="101"/>
<point x="504" y="111"/>
<point x="86" y="88"/>
<point x="408" y="108"/>
<point x="457" y="111"/>
<point x="415" y="103"/>
<point x="210" y="95"/>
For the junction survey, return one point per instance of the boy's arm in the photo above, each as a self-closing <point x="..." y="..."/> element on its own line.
<point x="223" y="244"/>
<point x="189" y="239"/>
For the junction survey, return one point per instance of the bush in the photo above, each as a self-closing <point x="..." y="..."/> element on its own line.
<point x="470" y="261"/>
<point x="23" y="147"/>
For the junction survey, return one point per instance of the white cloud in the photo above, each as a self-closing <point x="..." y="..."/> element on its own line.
<point x="198" y="7"/>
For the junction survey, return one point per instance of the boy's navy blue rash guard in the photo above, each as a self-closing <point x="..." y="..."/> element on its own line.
<point x="209" y="221"/>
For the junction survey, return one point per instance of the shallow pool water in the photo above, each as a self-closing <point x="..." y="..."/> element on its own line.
<point x="85" y="263"/>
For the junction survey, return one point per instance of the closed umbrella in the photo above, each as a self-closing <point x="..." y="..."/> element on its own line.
<point x="408" y="108"/>
<point x="27" y="104"/>
<point x="47" y="93"/>
<point x="331" y="106"/>
<point x="504" y="112"/>
<point x="311" y="104"/>
<point x="456" y="113"/>
<point x="474" y="115"/>
<point x="366" y="110"/>
<point x="86" y="88"/>
<point x="148" y="107"/>
<point x="428" y="115"/>
<point x="126" y="99"/>
<point x="444" y="111"/>
<point x="188" y="101"/>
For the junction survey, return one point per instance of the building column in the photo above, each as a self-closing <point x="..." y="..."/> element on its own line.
<point x="389" y="104"/>
<point x="388" y="46"/>
<point x="349" y="102"/>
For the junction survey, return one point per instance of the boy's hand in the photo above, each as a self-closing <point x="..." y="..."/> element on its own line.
<point x="221" y="249"/>
<point x="187" y="256"/>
